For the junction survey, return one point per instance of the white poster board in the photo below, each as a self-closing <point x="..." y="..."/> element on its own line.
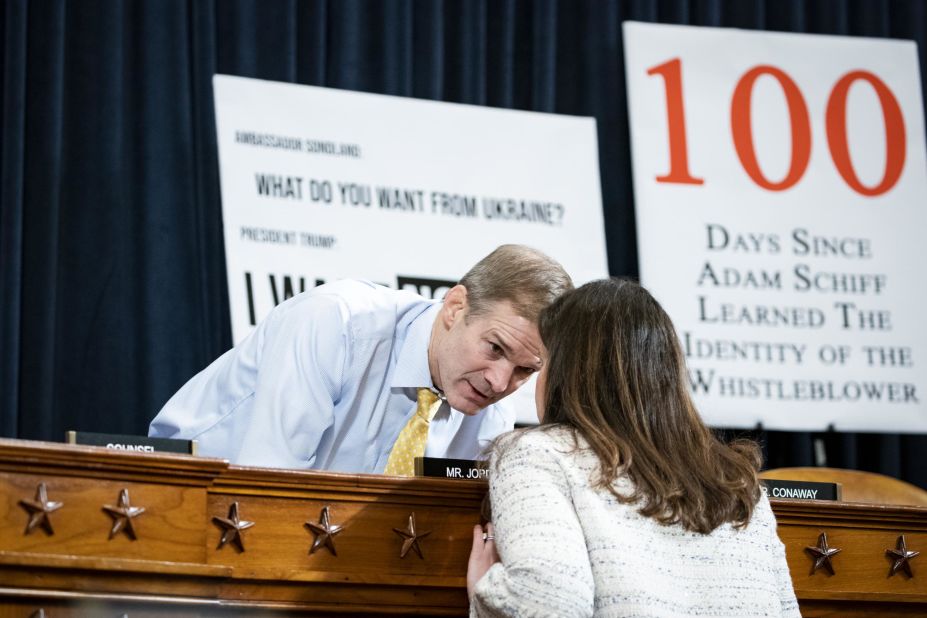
<point x="781" y="199"/>
<point x="320" y="184"/>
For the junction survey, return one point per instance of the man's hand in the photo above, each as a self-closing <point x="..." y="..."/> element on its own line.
<point x="482" y="555"/>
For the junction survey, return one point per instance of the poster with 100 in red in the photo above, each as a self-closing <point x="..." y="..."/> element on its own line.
<point x="781" y="203"/>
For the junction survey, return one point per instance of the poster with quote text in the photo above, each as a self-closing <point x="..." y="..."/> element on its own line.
<point x="320" y="184"/>
<point x="780" y="189"/>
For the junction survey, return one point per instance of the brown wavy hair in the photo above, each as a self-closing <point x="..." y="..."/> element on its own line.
<point x="617" y="377"/>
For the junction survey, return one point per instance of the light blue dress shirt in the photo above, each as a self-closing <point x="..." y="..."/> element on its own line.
<point x="327" y="381"/>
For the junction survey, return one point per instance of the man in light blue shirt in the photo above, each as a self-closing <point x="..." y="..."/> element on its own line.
<point x="329" y="378"/>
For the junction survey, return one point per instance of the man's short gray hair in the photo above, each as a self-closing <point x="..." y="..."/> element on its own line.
<point x="525" y="277"/>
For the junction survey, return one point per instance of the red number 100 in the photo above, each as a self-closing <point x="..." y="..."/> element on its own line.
<point x="800" y="125"/>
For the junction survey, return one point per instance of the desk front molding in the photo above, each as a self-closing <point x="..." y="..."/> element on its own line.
<point x="185" y="559"/>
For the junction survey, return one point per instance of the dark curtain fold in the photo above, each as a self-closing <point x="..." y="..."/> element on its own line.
<point x="12" y="134"/>
<point x="111" y="254"/>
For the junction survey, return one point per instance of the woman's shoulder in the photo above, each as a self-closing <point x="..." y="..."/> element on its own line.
<point x="763" y="515"/>
<point x="551" y="439"/>
<point x="546" y="446"/>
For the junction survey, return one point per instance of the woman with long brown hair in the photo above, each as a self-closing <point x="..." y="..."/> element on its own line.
<point x="622" y="502"/>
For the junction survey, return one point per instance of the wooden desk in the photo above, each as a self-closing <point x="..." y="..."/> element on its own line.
<point x="177" y="565"/>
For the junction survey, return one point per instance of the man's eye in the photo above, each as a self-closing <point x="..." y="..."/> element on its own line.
<point x="496" y="349"/>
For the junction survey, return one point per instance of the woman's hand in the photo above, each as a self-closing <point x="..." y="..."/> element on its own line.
<point x="482" y="556"/>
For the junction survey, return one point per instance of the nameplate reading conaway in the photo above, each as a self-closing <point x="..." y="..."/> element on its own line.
<point x="451" y="468"/>
<point x="800" y="490"/>
<point x="140" y="444"/>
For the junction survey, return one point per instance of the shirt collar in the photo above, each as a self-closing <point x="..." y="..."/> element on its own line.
<point x="412" y="363"/>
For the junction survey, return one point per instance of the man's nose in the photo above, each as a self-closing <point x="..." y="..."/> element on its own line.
<point x="499" y="376"/>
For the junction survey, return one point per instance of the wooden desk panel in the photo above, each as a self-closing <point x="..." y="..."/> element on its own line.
<point x="171" y="524"/>
<point x="861" y="584"/>
<point x="176" y="566"/>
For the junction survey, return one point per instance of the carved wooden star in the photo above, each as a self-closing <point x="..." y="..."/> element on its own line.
<point x="822" y="554"/>
<point x="410" y="538"/>
<point x="232" y="528"/>
<point x="39" y="509"/>
<point x="324" y="533"/>
<point x="123" y="514"/>
<point x="901" y="557"/>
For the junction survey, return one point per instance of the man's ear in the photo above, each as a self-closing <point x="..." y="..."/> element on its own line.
<point x="455" y="305"/>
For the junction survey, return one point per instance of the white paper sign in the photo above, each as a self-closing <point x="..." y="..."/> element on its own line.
<point x="781" y="200"/>
<point x="321" y="184"/>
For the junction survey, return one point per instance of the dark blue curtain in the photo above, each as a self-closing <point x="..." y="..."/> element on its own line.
<point x="111" y="255"/>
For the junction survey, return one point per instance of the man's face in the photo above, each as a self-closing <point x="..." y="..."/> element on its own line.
<point x="479" y="360"/>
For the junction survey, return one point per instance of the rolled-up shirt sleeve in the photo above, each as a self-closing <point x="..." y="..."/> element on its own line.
<point x="299" y="380"/>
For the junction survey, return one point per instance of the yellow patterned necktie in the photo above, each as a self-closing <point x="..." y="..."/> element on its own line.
<point x="411" y="441"/>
